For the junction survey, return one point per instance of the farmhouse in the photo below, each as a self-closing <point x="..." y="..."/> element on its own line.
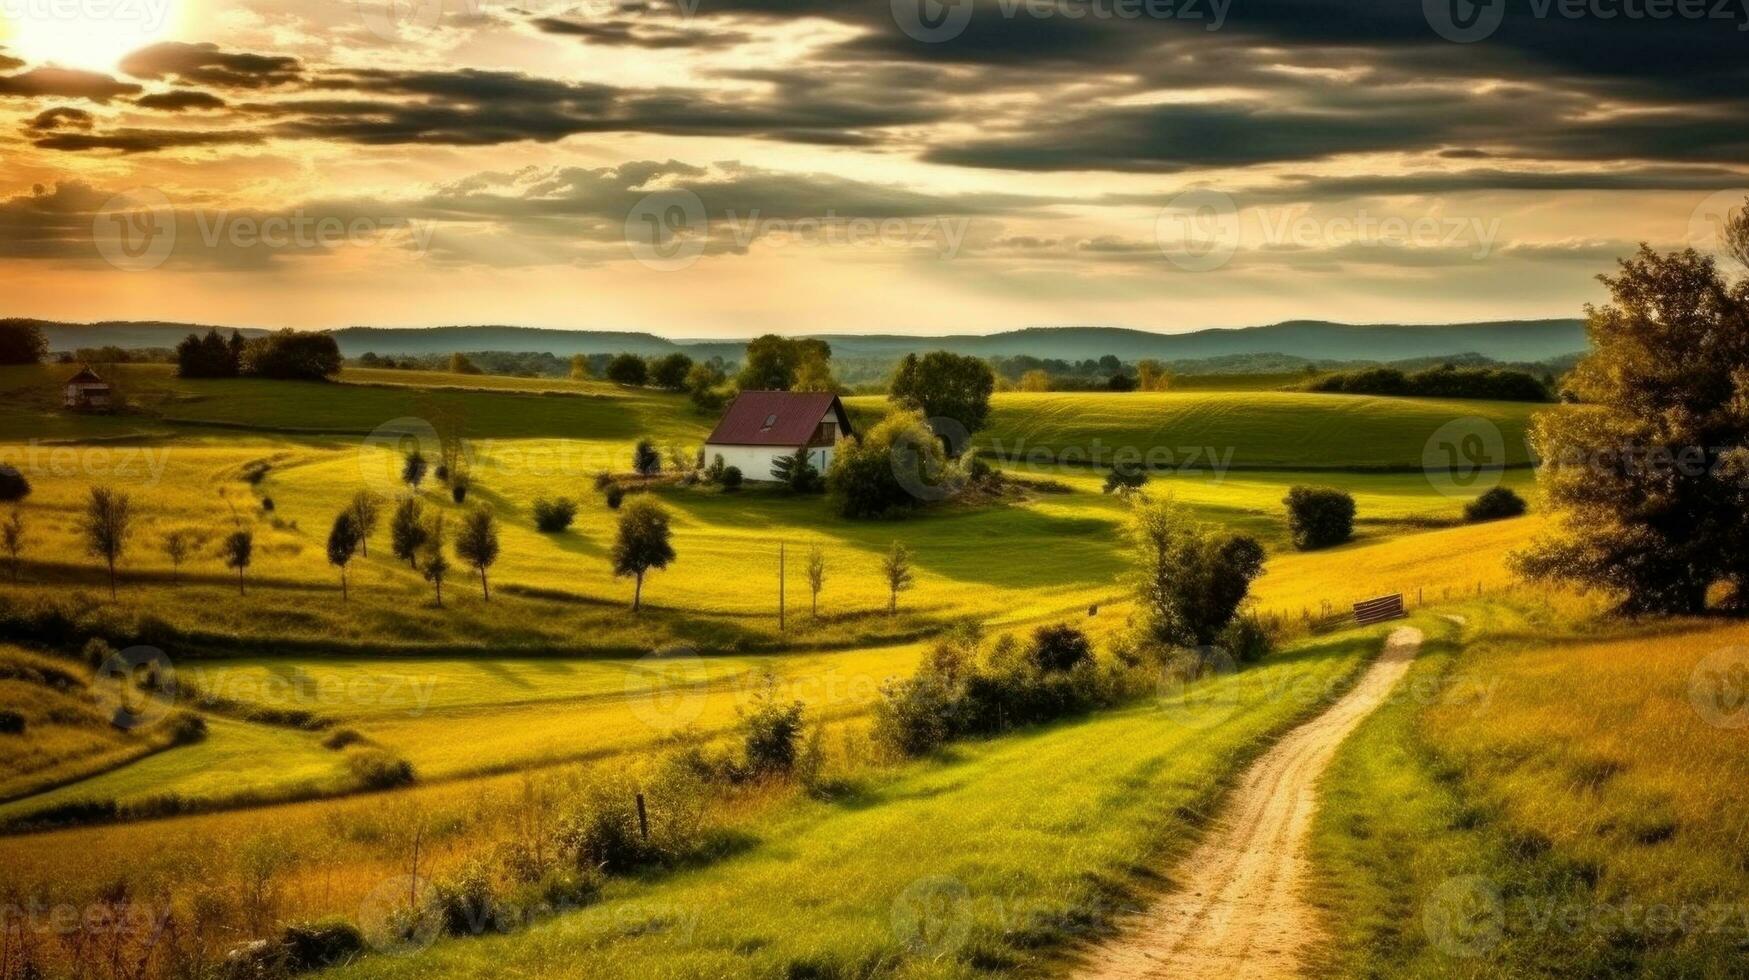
<point x="87" y="390"/>
<point x="762" y="427"/>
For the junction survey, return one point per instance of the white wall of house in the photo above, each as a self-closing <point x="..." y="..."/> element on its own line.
<point x="755" y="462"/>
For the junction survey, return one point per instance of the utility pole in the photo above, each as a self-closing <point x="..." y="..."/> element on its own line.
<point x="780" y="589"/>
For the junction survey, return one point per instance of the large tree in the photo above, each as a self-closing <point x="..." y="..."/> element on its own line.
<point x="642" y="543"/>
<point x="945" y="385"/>
<point x="774" y="363"/>
<point x="21" y="342"/>
<point x="1189" y="578"/>
<point x="1650" y="473"/>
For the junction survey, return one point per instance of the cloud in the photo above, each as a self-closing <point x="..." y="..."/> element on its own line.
<point x="180" y="101"/>
<point x="207" y="64"/>
<point x="65" y="83"/>
<point x="60" y="117"/>
<point x="130" y="141"/>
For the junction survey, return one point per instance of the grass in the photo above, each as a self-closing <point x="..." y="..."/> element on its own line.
<point x="1559" y="807"/>
<point x="1245" y="429"/>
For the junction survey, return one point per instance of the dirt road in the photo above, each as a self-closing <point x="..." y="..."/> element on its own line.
<point x="1238" y="910"/>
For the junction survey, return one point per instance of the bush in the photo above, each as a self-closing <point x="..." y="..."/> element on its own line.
<point x="730" y="478"/>
<point x="616" y="495"/>
<point x="1319" y="517"/>
<point x="13" y="485"/>
<point x="1248" y="639"/>
<point x="1449" y="381"/>
<point x="910" y="719"/>
<point x="377" y="769"/>
<point x="1060" y="648"/>
<point x="319" y="945"/>
<point x="291" y="355"/>
<point x="466" y="903"/>
<point x="1496" y="504"/>
<point x="341" y="738"/>
<point x="459" y="487"/>
<point x="559" y="890"/>
<point x="773" y="732"/>
<point x="628" y="369"/>
<point x="599" y="830"/>
<point x="554" y="516"/>
<point x="187" y="728"/>
<point x="890" y="468"/>
<point x="646" y="461"/>
<point x="1125" y="476"/>
<point x="11" y="722"/>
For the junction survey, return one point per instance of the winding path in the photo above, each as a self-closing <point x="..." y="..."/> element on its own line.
<point x="1238" y="910"/>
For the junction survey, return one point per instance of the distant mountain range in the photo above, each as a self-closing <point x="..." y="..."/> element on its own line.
<point x="1506" y="340"/>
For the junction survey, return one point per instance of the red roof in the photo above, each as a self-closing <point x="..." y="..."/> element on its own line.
<point x="776" y="418"/>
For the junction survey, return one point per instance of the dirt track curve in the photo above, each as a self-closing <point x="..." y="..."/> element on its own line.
<point x="1238" y="910"/>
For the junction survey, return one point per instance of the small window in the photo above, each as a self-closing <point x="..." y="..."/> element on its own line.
<point x="770" y="420"/>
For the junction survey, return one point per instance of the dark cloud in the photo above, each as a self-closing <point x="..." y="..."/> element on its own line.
<point x="65" y="83"/>
<point x="180" y="101"/>
<point x="130" y="141"/>
<point x="206" y="64"/>
<point x="61" y="117"/>
<point x="648" y="36"/>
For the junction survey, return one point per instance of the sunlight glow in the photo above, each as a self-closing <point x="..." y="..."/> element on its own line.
<point x="88" y="34"/>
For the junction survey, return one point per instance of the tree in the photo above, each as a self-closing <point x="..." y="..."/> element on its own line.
<point x="642" y="543"/>
<point x="432" y="564"/>
<point x="797" y="472"/>
<point x="942" y="384"/>
<point x="176" y="547"/>
<point x="773" y="363"/>
<point x="646" y="461"/>
<point x="22" y="342"/>
<point x="1649" y="476"/>
<point x="1151" y="375"/>
<point x="12" y="540"/>
<point x="460" y="364"/>
<point x="1125" y="475"/>
<point x="813" y="374"/>
<point x="477" y="544"/>
<point x="816" y="576"/>
<point x="894" y="466"/>
<point x="628" y="369"/>
<point x="1059" y="649"/>
<point x="670" y="371"/>
<point x="413" y="469"/>
<point x="1189" y="578"/>
<point x="366" y="510"/>
<point x="107" y="524"/>
<point x="239" y="550"/>
<point x="1497" y="503"/>
<point x="13" y="484"/>
<point x="580" y="369"/>
<point x="554" y="516"/>
<point x="1319" y="517"/>
<point x="702" y="384"/>
<point x="1035" y="380"/>
<point x="292" y="356"/>
<point x="342" y="546"/>
<point x="407" y="531"/>
<point x="896" y="569"/>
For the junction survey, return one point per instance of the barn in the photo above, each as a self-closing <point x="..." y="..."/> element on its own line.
<point x="87" y="390"/>
<point x="761" y="427"/>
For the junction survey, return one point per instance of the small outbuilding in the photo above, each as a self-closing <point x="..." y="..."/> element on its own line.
<point x="762" y="427"/>
<point x="86" y="390"/>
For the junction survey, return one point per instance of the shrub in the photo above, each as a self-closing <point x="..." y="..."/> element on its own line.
<point x="616" y="495"/>
<point x="554" y="516"/>
<point x="377" y="769"/>
<point x="187" y="728"/>
<point x="1059" y="648"/>
<point x="1496" y="504"/>
<point x="604" y="479"/>
<point x="1319" y="517"/>
<point x="292" y="355"/>
<point x="559" y="890"/>
<point x="910" y="719"/>
<point x="13" y="485"/>
<point x="459" y="487"/>
<point x="890" y="468"/>
<point x="599" y="831"/>
<point x="1125" y="476"/>
<point x="11" y="722"/>
<point x="628" y="369"/>
<point x="1248" y="639"/>
<point x="341" y="738"/>
<point x="466" y="904"/>
<point x="646" y="461"/>
<point x="731" y="477"/>
<point x="772" y="731"/>
<point x="319" y="945"/>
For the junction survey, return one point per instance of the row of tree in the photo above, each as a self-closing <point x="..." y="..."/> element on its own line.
<point x="286" y="355"/>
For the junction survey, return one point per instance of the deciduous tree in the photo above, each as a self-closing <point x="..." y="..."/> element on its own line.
<point x="477" y="544"/>
<point x="642" y="543"/>
<point x="107" y="523"/>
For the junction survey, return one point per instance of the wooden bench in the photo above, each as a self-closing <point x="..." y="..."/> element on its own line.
<point x="1379" y="610"/>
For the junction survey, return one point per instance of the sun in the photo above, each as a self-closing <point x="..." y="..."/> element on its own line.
<point x="89" y="34"/>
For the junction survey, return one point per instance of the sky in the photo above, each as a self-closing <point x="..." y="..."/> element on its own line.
<point x="721" y="168"/>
